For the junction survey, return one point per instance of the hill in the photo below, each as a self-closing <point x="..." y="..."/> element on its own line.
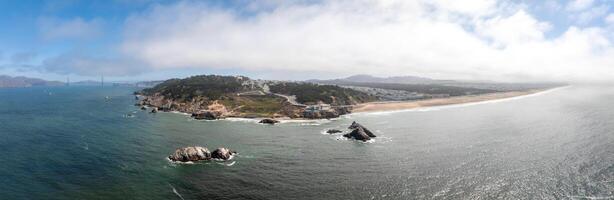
<point x="240" y="96"/>
<point x="20" y="81"/>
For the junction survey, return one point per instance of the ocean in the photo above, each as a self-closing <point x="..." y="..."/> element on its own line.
<point x="73" y="143"/>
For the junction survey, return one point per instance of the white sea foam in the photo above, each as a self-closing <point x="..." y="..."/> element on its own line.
<point x="238" y="119"/>
<point x="175" y="191"/>
<point x="181" y="113"/>
<point x="228" y="164"/>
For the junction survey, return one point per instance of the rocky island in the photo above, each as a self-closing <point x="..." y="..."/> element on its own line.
<point x="211" y="97"/>
<point x="197" y="153"/>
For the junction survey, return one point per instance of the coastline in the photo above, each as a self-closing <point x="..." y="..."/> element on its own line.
<point x="385" y="106"/>
<point x="405" y="105"/>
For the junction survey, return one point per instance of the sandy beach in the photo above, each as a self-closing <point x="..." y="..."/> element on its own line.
<point x="403" y="105"/>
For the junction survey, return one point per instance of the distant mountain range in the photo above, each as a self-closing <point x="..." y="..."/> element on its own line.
<point x="20" y="81"/>
<point x="362" y="78"/>
<point x="379" y="82"/>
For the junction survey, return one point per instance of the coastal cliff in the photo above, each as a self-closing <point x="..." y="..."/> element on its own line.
<point x="214" y="97"/>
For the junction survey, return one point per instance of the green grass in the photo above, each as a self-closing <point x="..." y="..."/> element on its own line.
<point x="254" y="105"/>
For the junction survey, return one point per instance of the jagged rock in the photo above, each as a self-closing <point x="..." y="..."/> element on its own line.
<point x="333" y="131"/>
<point x="358" y="134"/>
<point x="143" y="108"/>
<point x="222" y="153"/>
<point x="268" y="121"/>
<point x="357" y="125"/>
<point x="154" y="110"/>
<point x="206" y="115"/>
<point x="187" y="154"/>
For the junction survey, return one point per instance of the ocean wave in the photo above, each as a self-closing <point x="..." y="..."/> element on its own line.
<point x="238" y="119"/>
<point x="175" y="191"/>
<point x="307" y="122"/>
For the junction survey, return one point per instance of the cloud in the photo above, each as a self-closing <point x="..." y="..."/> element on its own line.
<point x="610" y="19"/>
<point x="578" y="5"/>
<point x="428" y="38"/>
<point x="51" y="28"/>
<point x="513" y="30"/>
<point x="591" y="14"/>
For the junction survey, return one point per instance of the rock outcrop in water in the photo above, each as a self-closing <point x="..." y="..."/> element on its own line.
<point x="206" y="115"/>
<point x="333" y="131"/>
<point x="222" y="153"/>
<point x="154" y="110"/>
<point x="268" y="121"/>
<point x="197" y="153"/>
<point x="187" y="154"/>
<point x="357" y="125"/>
<point x="359" y="132"/>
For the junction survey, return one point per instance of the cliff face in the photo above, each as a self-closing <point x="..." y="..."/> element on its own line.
<point x="248" y="107"/>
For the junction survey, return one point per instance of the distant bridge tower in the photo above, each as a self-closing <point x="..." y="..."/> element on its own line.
<point x="68" y="81"/>
<point x="101" y="80"/>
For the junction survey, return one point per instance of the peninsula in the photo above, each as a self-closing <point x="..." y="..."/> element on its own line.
<point x="214" y="97"/>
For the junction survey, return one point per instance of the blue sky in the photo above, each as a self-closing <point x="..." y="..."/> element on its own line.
<point x="148" y="40"/>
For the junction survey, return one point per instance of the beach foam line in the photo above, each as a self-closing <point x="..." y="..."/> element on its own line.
<point x="460" y="105"/>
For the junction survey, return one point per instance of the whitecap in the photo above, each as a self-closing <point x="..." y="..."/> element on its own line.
<point x="175" y="191"/>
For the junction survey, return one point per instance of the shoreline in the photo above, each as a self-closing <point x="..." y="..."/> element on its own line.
<point x="386" y="106"/>
<point x="407" y="105"/>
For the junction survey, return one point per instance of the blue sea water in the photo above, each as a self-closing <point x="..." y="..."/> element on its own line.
<point x="73" y="143"/>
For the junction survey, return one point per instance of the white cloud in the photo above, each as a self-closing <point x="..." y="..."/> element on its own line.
<point x="76" y="28"/>
<point x="591" y="14"/>
<point x="610" y="19"/>
<point x="474" y="8"/>
<point x="377" y="37"/>
<point x="516" y="29"/>
<point x="578" y="5"/>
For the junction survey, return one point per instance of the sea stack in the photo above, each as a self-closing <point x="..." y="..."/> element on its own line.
<point x="357" y="125"/>
<point x="188" y="154"/>
<point x="333" y="131"/>
<point x="197" y="153"/>
<point x="359" y="132"/>
<point x="222" y="153"/>
<point x="268" y="121"/>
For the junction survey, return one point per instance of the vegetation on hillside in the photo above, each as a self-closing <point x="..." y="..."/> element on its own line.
<point x="212" y="87"/>
<point x="309" y="93"/>
<point x="255" y="105"/>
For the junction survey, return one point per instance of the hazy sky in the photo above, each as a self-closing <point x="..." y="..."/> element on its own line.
<point x="528" y="40"/>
